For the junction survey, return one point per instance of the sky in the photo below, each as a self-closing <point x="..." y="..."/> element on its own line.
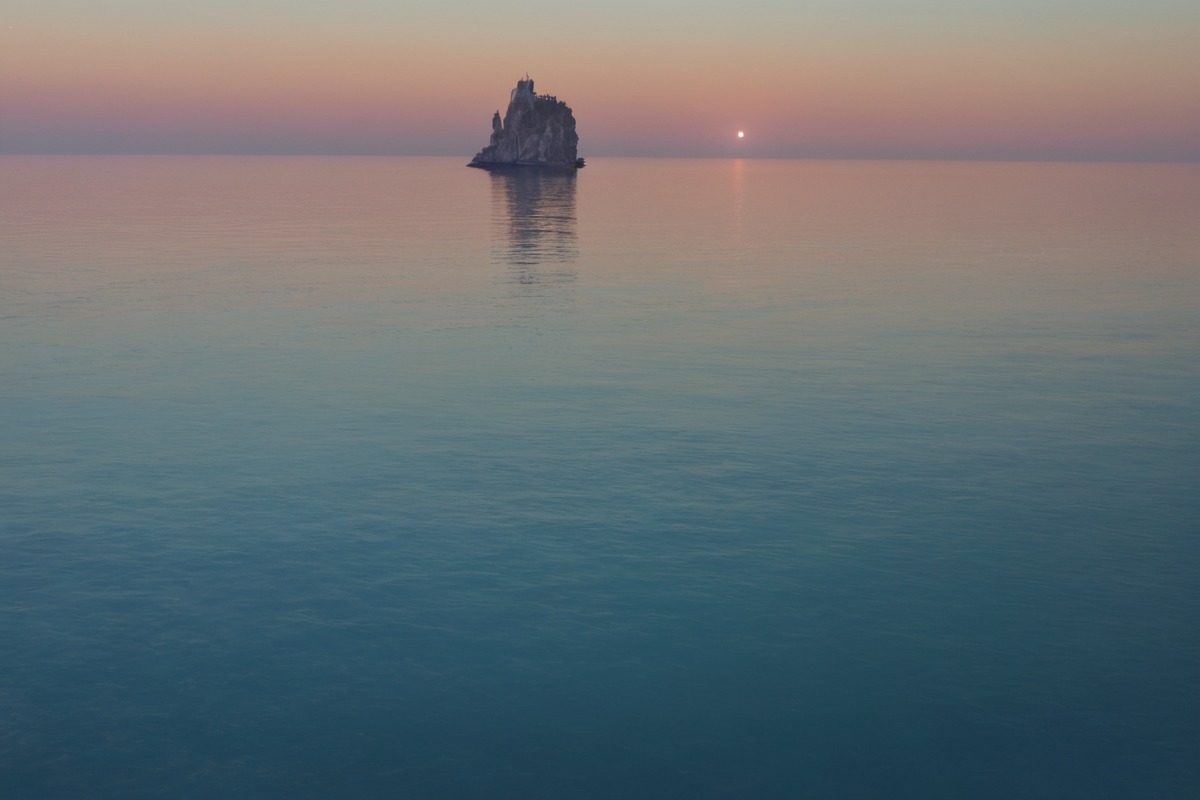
<point x="1110" y="80"/>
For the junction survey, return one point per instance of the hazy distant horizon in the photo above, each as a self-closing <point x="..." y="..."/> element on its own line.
<point x="651" y="156"/>
<point x="1070" y="80"/>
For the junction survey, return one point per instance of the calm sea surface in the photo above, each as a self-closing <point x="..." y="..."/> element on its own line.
<point x="388" y="478"/>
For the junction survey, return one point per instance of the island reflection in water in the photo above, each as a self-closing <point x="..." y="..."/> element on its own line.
<point x="533" y="219"/>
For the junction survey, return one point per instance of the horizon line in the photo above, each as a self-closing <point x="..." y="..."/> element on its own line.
<point x="744" y="157"/>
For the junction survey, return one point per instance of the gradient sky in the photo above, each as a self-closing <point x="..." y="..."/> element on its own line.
<point x="1022" y="79"/>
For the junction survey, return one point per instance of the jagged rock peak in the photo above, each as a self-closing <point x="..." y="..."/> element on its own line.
<point x="537" y="130"/>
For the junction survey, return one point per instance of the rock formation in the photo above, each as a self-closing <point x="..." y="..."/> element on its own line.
<point x="537" y="131"/>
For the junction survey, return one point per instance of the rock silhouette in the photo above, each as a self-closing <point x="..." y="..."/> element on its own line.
<point x="537" y="131"/>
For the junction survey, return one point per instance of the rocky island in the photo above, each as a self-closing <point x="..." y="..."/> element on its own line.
<point x="537" y="131"/>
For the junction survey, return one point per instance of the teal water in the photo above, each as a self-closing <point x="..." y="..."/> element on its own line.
<point x="698" y="479"/>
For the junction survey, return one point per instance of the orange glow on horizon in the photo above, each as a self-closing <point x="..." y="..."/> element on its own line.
<point x="889" y="98"/>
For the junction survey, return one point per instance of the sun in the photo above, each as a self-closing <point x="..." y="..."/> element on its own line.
<point x="741" y="134"/>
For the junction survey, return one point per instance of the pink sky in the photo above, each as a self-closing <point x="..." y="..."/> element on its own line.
<point x="1085" y="86"/>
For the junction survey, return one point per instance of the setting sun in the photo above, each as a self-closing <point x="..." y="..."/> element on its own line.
<point x="741" y="134"/>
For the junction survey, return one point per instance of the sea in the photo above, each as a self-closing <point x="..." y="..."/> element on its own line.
<point x="666" y="478"/>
